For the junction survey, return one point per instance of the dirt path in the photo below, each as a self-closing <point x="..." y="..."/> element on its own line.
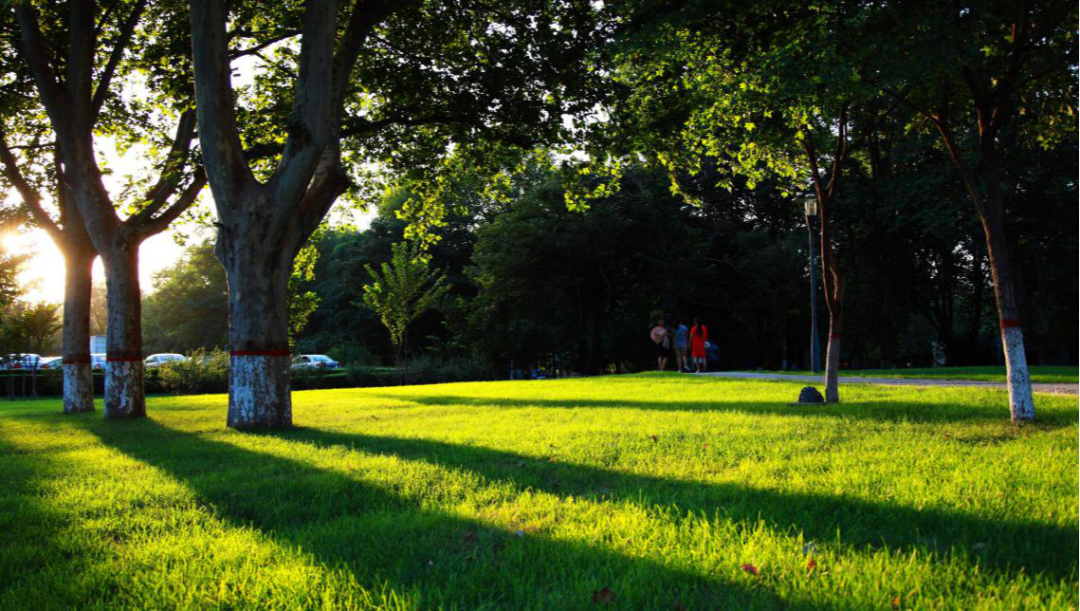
<point x="1058" y="388"/>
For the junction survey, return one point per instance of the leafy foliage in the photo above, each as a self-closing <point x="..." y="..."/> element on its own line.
<point x="400" y="291"/>
<point x="30" y="327"/>
<point x="302" y="303"/>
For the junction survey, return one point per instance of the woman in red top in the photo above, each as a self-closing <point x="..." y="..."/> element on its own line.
<point x="699" y="334"/>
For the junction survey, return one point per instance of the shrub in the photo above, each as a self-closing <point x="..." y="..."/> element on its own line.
<point x="203" y="372"/>
<point x="431" y="370"/>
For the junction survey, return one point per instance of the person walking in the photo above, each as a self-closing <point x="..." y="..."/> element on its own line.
<point x="662" y="342"/>
<point x="682" y="338"/>
<point x="699" y="334"/>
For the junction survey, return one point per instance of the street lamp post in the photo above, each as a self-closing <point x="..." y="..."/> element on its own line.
<point x="810" y="208"/>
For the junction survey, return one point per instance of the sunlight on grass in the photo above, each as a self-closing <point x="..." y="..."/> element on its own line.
<point x="1048" y="374"/>
<point x="537" y="494"/>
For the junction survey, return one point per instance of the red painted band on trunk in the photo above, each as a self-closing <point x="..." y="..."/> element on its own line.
<point x="259" y="352"/>
<point x="835" y="336"/>
<point x="123" y="359"/>
<point x="76" y="360"/>
<point x="1009" y="323"/>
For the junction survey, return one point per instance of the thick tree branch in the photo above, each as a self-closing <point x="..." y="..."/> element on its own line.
<point x="35" y="51"/>
<point x="365" y="15"/>
<point x="173" y="168"/>
<point x="254" y="50"/>
<point x="123" y="39"/>
<point x="31" y="197"/>
<point x="227" y="170"/>
<point x="311" y="122"/>
<point x="158" y="224"/>
<point x="80" y="63"/>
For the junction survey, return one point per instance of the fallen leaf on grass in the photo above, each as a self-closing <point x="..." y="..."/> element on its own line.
<point x="603" y="596"/>
<point x="654" y="438"/>
<point x="811" y="565"/>
<point x="896" y="602"/>
<point x="749" y="568"/>
<point x="704" y="445"/>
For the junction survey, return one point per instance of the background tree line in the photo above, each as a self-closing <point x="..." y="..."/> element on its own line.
<point x="534" y="283"/>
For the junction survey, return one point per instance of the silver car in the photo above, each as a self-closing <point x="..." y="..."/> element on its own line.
<point x="157" y="360"/>
<point x="314" y="361"/>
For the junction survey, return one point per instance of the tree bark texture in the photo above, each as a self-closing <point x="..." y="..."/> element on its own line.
<point x="78" y="377"/>
<point x="124" y="393"/>
<point x="258" y="274"/>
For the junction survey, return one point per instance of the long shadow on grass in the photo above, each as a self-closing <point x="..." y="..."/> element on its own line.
<point x="872" y="409"/>
<point x="383" y="537"/>
<point x="1004" y="546"/>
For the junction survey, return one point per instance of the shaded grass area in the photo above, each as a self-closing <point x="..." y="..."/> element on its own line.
<point x="657" y="487"/>
<point x="1051" y="374"/>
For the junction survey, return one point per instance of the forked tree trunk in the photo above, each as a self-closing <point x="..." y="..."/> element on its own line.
<point x="124" y="393"/>
<point x="78" y="377"/>
<point x="258" y="274"/>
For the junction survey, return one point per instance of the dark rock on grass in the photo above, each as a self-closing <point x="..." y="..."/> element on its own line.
<point x="809" y="394"/>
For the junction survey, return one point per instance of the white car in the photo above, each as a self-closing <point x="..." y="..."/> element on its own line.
<point x="157" y="360"/>
<point x="51" y="362"/>
<point x="314" y="361"/>
<point x="97" y="362"/>
<point x="20" y="361"/>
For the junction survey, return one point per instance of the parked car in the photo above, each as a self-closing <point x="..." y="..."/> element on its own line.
<point x="97" y="362"/>
<point x="314" y="361"/>
<point x="157" y="360"/>
<point x="20" y="361"/>
<point x="51" y="362"/>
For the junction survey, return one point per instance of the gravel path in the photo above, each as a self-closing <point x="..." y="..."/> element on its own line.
<point x="1059" y="388"/>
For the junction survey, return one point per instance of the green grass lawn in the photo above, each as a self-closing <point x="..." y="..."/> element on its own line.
<point x="1039" y="373"/>
<point x="650" y="490"/>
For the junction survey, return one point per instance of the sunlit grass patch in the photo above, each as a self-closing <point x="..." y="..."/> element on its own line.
<point x="649" y="491"/>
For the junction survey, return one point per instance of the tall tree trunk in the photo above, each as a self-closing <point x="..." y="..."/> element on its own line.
<point x="124" y="392"/>
<point x="831" y="281"/>
<point x="991" y="210"/>
<point x="833" y="289"/>
<point x="78" y="378"/>
<point x="832" y="354"/>
<point x="258" y="274"/>
<point x="1021" y="402"/>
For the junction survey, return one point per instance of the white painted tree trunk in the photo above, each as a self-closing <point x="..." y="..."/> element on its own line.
<point x="124" y="396"/>
<point x="78" y="388"/>
<point x="259" y="390"/>
<point x="78" y="378"/>
<point x="832" y="370"/>
<point x="259" y="394"/>
<point x="1021" y="400"/>
<point x="124" y="392"/>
